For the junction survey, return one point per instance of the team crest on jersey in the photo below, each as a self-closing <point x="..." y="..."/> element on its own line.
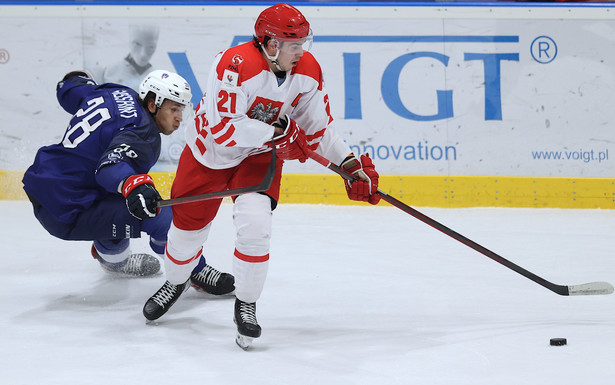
<point x="230" y="78"/>
<point x="237" y="59"/>
<point x="265" y="110"/>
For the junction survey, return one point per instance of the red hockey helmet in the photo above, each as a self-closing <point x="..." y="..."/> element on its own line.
<point x="282" y="22"/>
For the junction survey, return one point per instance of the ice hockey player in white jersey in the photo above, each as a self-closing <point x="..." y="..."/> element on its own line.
<point x="268" y="88"/>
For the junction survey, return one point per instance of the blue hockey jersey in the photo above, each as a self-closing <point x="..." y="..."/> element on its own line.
<point x="110" y="137"/>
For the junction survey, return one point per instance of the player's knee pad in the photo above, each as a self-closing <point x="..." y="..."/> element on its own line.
<point x="252" y="217"/>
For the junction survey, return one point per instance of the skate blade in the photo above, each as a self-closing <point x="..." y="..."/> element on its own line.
<point x="244" y="342"/>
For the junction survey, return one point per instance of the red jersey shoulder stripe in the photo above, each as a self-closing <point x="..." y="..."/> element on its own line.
<point x="244" y="59"/>
<point x="308" y="66"/>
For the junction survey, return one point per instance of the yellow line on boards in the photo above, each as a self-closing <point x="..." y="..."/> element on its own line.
<point x="417" y="190"/>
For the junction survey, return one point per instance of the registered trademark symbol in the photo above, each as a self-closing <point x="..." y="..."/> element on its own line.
<point x="4" y="56"/>
<point x="543" y="49"/>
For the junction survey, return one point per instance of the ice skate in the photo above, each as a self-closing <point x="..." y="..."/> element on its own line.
<point x="213" y="281"/>
<point x="247" y="325"/>
<point x="161" y="302"/>
<point x="136" y="265"/>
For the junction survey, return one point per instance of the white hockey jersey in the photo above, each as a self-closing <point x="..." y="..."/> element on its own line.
<point x="243" y="99"/>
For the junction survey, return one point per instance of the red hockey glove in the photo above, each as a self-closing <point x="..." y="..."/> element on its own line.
<point x="141" y="196"/>
<point x="292" y="144"/>
<point x="365" y="185"/>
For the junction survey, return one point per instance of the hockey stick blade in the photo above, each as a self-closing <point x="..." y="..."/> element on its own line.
<point x="593" y="288"/>
<point x="262" y="186"/>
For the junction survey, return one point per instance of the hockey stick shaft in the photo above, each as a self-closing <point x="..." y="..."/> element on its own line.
<point x="262" y="186"/>
<point x="592" y="288"/>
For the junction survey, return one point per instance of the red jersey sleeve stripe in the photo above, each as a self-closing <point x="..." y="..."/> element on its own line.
<point x="316" y="135"/>
<point x="198" y="124"/>
<point x="227" y="135"/>
<point x="200" y="145"/>
<point x="218" y="127"/>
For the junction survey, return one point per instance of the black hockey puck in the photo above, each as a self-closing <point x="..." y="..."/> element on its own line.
<point x="558" y="341"/>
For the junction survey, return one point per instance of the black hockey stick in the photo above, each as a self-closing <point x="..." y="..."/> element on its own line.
<point x="262" y="186"/>
<point x="592" y="288"/>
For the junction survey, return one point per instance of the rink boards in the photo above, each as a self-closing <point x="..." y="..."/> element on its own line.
<point x="459" y="105"/>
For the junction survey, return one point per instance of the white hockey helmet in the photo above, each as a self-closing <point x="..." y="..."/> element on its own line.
<point x="165" y="85"/>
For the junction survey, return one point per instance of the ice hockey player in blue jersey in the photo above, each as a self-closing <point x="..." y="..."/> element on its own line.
<point x="94" y="184"/>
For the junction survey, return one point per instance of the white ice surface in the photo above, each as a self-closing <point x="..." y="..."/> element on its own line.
<point x="355" y="295"/>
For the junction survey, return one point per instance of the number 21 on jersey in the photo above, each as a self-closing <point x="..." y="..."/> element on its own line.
<point x="227" y="101"/>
